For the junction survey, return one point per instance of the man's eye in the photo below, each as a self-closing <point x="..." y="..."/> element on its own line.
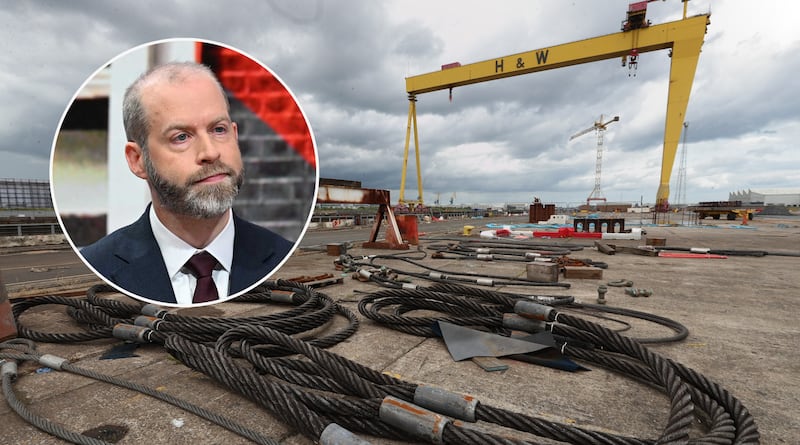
<point x="181" y="137"/>
<point x="220" y="129"/>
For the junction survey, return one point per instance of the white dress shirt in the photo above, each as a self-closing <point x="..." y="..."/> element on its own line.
<point x="176" y="252"/>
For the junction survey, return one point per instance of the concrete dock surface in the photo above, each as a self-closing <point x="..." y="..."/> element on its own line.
<point x="741" y="313"/>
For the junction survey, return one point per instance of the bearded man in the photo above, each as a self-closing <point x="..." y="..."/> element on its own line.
<point x="188" y="247"/>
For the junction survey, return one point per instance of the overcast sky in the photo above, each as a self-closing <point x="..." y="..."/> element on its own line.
<point x="500" y="141"/>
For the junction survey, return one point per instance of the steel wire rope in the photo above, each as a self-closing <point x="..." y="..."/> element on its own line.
<point x="40" y="422"/>
<point x="458" y="434"/>
<point x="460" y="437"/>
<point x="665" y="373"/>
<point x="516" y="244"/>
<point x="509" y="299"/>
<point x="480" y="249"/>
<point x="735" y="252"/>
<point x="459" y="304"/>
<point x="225" y="340"/>
<point x="363" y="414"/>
<point x="495" y="256"/>
<point x="681" y="395"/>
<point x="99" y="316"/>
<point x="83" y="306"/>
<point x="59" y="431"/>
<point x="372" y="305"/>
<point x="283" y="401"/>
<point x="719" y="421"/>
<point x="672" y="376"/>
<point x="339" y="367"/>
<point x="456" y="276"/>
<point x="681" y="331"/>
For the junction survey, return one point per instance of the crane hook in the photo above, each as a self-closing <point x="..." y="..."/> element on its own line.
<point x="634" y="62"/>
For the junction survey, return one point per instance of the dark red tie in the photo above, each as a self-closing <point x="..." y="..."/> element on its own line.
<point x="201" y="265"/>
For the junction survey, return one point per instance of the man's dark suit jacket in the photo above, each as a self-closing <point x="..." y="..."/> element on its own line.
<point x="131" y="258"/>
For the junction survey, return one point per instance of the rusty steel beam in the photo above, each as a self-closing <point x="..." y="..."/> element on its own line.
<point x="334" y="194"/>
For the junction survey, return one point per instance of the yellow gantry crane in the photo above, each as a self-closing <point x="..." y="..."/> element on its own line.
<point x="683" y="38"/>
<point x="600" y="127"/>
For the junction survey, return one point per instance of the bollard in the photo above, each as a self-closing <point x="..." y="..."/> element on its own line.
<point x="601" y="294"/>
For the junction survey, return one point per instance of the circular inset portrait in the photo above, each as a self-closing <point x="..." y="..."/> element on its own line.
<point x="184" y="172"/>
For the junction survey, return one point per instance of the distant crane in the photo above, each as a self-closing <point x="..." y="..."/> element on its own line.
<point x="600" y="127"/>
<point x="452" y="198"/>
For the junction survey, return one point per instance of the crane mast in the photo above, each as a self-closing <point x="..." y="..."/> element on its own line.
<point x="683" y="38"/>
<point x="681" y="198"/>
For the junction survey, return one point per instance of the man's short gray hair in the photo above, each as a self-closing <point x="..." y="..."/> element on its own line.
<point x="134" y="115"/>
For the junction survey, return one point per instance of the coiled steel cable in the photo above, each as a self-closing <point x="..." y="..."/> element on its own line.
<point x="98" y="317"/>
<point x="469" y="306"/>
<point x="729" y="420"/>
<point x="356" y="381"/>
<point x="321" y="388"/>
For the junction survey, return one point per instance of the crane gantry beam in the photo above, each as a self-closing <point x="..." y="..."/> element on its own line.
<point x="684" y="37"/>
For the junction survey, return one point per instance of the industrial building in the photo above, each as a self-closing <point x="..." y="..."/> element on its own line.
<point x="25" y="194"/>
<point x="786" y="197"/>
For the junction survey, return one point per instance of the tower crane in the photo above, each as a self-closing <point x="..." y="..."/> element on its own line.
<point x="683" y="38"/>
<point x="599" y="127"/>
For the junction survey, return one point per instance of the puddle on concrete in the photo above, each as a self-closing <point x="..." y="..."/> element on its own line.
<point x="107" y="433"/>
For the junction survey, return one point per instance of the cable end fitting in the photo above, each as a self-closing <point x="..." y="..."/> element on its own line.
<point x="147" y="321"/>
<point x="536" y="311"/>
<point x="485" y="282"/>
<point x="129" y="332"/>
<point x="334" y="434"/>
<point x="52" y="361"/>
<point x="153" y="310"/>
<point x="459" y="406"/>
<point x="519" y="323"/>
<point x="8" y="369"/>
<point x="419" y="422"/>
<point x="281" y="296"/>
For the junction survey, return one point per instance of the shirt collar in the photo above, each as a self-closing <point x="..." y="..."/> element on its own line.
<point x="176" y="252"/>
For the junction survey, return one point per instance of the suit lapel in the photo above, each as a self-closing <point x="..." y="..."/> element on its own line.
<point x="251" y="253"/>
<point x="145" y="272"/>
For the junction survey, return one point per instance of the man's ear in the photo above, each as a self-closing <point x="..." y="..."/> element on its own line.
<point x="135" y="158"/>
<point x="235" y="131"/>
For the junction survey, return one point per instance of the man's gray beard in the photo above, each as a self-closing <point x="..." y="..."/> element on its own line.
<point x="195" y="200"/>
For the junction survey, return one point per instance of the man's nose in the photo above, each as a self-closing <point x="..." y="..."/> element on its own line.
<point x="207" y="149"/>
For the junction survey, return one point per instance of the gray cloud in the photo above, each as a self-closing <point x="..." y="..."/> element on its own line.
<point x="499" y="141"/>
